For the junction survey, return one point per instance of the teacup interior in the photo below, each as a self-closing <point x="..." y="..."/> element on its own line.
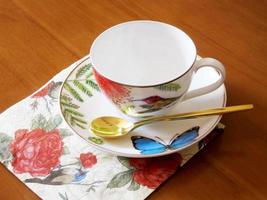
<point x="143" y="53"/>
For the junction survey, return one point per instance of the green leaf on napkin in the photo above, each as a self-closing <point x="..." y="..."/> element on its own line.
<point x="66" y="150"/>
<point x="53" y="122"/>
<point x="120" y="179"/>
<point x="54" y="90"/>
<point x="63" y="196"/>
<point x="5" y="155"/>
<point x="64" y="132"/>
<point x="125" y="162"/>
<point x="133" y="186"/>
<point x="39" y="121"/>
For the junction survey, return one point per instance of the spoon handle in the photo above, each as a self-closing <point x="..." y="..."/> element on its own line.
<point x="214" y="111"/>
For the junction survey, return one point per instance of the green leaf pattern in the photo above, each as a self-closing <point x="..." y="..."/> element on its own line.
<point x="96" y="140"/>
<point x="124" y="178"/>
<point x="83" y="88"/>
<point x="125" y="162"/>
<point x="133" y="186"/>
<point x="83" y="70"/>
<point x="64" y="132"/>
<point x="39" y="121"/>
<point x="171" y="87"/>
<point x="53" y="92"/>
<point x="71" y="113"/>
<point x="92" y="84"/>
<point x="5" y="155"/>
<point x="120" y="179"/>
<point x="63" y="196"/>
<point x="66" y="150"/>
<point x="53" y="122"/>
<point x="73" y="92"/>
<point x="83" y="84"/>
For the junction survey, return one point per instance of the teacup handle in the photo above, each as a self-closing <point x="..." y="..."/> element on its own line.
<point x="207" y="62"/>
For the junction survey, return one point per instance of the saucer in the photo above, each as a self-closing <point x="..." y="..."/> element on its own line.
<point x="81" y="101"/>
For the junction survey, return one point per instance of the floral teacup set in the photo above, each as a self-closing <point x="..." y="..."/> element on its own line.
<point x="139" y="69"/>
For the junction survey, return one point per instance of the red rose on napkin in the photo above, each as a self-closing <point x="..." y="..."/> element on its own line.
<point x="36" y="152"/>
<point x="88" y="159"/>
<point x="151" y="172"/>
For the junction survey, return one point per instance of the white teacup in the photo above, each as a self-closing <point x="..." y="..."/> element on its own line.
<point x="144" y="67"/>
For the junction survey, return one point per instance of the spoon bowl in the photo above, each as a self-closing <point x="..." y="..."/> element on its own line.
<point x="109" y="126"/>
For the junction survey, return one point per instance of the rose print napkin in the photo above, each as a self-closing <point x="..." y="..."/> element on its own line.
<point x="37" y="146"/>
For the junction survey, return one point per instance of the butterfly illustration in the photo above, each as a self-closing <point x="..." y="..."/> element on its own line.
<point x="150" y="146"/>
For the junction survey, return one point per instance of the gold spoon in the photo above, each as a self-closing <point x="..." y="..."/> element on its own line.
<point x="112" y="127"/>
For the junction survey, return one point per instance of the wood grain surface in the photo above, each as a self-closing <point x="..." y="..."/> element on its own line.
<point x="40" y="38"/>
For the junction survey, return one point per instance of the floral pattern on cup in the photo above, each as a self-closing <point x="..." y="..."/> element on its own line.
<point x="116" y="92"/>
<point x="133" y="103"/>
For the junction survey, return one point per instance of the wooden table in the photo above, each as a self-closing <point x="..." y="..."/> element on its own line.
<point x="40" y="38"/>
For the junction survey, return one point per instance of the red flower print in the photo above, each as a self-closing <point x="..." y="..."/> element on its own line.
<point x="36" y="152"/>
<point x="88" y="160"/>
<point x="114" y="91"/>
<point x="151" y="172"/>
<point x="43" y="92"/>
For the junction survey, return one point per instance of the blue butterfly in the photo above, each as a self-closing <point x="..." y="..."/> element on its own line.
<point x="149" y="146"/>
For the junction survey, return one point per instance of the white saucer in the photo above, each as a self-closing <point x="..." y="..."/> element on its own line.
<point x="81" y="102"/>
